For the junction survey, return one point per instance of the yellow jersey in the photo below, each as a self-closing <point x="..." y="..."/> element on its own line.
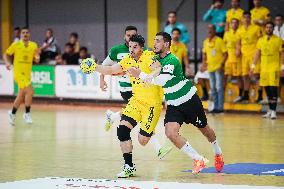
<point x="237" y="14"/>
<point x="23" y="57"/>
<point x="214" y="50"/>
<point x="270" y="53"/>
<point x="148" y="94"/>
<point x="249" y="37"/>
<point x="230" y="39"/>
<point x="261" y="13"/>
<point x="179" y="50"/>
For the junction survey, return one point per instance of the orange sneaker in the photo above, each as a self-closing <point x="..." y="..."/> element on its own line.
<point x="199" y="165"/>
<point x="219" y="162"/>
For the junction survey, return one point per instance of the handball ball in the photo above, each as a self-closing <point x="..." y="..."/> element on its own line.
<point x="88" y="65"/>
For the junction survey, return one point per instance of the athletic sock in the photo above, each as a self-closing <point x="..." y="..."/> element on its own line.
<point x="216" y="147"/>
<point x="128" y="159"/>
<point x="241" y="92"/>
<point x="191" y="152"/>
<point x="246" y="95"/>
<point x="28" y="109"/>
<point x="116" y="115"/>
<point x="14" y="110"/>
<point x="259" y="94"/>
<point x="154" y="141"/>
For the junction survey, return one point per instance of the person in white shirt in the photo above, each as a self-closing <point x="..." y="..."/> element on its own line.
<point x="279" y="26"/>
<point x="17" y="33"/>
<point x="49" y="48"/>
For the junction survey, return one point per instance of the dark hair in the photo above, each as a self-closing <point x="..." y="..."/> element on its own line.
<point x="246" y="13"/>
<point x="176" y="29"/>
<point x="84" y="49"/>
<point x="279" y="15"/>
<point x="17" y="28"/>
<point x="74" y="34"/>
<point x="166" y="37"/>
<point x="270" y="23"/>
<point x="138" y="39"/>
<point x="130" y="28"/>
<point x="69" y="45"/>
<point x="172" y="12"/>
<point x="49" y="29"/>
<point x="235" y="19"/>
<point x="221" y="1"/>
<point x="25" y="28"/>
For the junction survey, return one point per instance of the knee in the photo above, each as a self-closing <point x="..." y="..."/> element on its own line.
<point x="123" y="133"/>
<point x="143" y="140"/>
<point x="171" y="134"/>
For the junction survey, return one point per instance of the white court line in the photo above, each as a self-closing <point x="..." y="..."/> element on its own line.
<point x="67" y="183"/>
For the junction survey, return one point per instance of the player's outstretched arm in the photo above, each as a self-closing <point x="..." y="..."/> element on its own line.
<point x="7" y="60"/>
<point x="109" y="70"/>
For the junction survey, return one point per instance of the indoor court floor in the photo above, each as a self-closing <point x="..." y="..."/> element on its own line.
<point x="69" y="142"/>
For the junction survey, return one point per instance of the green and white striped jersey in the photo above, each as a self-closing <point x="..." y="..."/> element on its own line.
<point x="177" y="88"/>
<point x="117" y="53"/>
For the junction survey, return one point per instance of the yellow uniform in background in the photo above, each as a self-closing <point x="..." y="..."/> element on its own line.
<point x="214" y="50"/>
<point x="261" y="13"/>
<point x="249" y="37"/>
<point x="270" y="60"/>
<point x="23" y="61"/>
<point x="237" y="14"/>
<point x="145" y="105"/>
<point x="233" y="64"/>
<point x="179" y="50"/>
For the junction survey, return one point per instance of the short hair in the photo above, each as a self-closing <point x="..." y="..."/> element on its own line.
<point x="138" y="39"/>
<point x="25" y="28"/>
<point x="235" y="20"/>
<point x="270" y="23"/>
<point x="17" y="28"/>
<point x="176" y="29"/>
<point x="172" y="12"/>
<point x="166" y="37"/>
<point x="130" y="28"/>
<point x="279" y="15"/>
<point x="74" y="34"/>
<point x="246" y="13"/>
<point x="69" y="45"/>
<point x="50" y="29"/>
<point x="84" y="49"/>
<point x="221" y="1"/>
<point x="213" y="26"/>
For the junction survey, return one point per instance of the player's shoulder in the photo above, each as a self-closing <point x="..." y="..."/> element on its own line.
<point x="264" y="9"/>
<point x="33" y="44"/>
<point x="118" y="47"/>
<point x="172" y="59"/>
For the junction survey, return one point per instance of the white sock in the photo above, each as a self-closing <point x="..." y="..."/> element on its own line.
<point x="191" y="152"/>
<point x="216" y="147"/>
<point x="155" y="143"/>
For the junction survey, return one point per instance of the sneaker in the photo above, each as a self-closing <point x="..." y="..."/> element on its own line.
<point x="127" y="171"/>
<point x="238" y="99"/>
<point x="199" y="165"/>
<point x="273" y="115"/>
<point x="164" y="151"/>
<point x="219" y="162"/>
<point x="109" y="120"/>
<point x="267" y="115"/>
<point x="12" y="117"/>
<point x="27" y="117"/>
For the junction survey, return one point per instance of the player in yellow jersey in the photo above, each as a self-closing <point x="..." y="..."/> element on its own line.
<point x="144" y="106"/>
<point x="233" y="66"/>
<point x="24" y="53"/>
<point x="234" y="13"/>
<point x="259" y="15"/>
<point x="248" y="36"/>
<point x="270" y="52"/>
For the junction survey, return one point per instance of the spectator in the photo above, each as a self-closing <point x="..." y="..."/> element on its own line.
<point x="17" y="34"/>
<point x="74" y="40"/>
<point x="172" y="23"/>
<point x="49" y="48"/>
<point x="59" y="60"/>
<point x="202" y="78"/>
<point x="83" y="53"/>
<point x="179" y="50"/>
<point x="269" y="52"/>
<point x="279" y="26"/>
<point x="259" y="15"/>
<point x="217" y="16"/>
<point x="69" y="56"/>
<point x="215" y="55"/>
<point x="248" y="36"/>
<point x="234" y="13"/>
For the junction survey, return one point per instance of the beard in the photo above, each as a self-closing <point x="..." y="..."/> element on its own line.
<point x="158" y="52"/>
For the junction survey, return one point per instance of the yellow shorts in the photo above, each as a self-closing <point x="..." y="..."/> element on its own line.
<point x="269" y="78"/>
<point x="233" y="68"/>
<point x="22" y="81"/>
<point x="145" y="114"/>
<point x="247" y="61"/>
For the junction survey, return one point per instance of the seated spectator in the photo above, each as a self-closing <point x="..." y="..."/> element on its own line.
<point x="49" y="48"/>
<point x="172" y="23"/>
<point x="69" y="56"/>
<point x="217" y="16"/>
<point x="59" y="60"/>
<point x="83" y="53"/>
<point x="74" y="40"/>
<point x="202" y="78"/>
<point x="17" y="33"/>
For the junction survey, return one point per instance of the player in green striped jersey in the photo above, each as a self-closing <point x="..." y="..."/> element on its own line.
<point x="184" y="106"/>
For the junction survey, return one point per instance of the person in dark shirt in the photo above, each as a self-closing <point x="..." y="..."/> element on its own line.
<point x="69" y="56"/>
